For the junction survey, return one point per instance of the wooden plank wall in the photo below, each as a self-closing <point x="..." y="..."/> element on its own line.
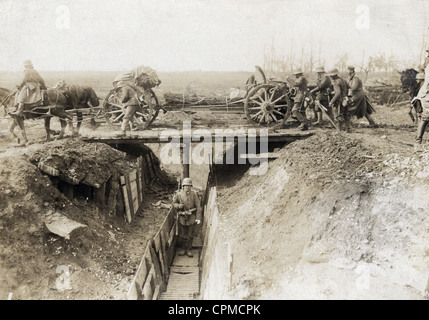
<point x="153" y="272"/>
<point x="135" y="183"/>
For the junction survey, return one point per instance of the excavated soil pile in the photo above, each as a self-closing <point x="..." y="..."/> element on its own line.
<point x="100" y="257"/>
<point x="335" y="217"/>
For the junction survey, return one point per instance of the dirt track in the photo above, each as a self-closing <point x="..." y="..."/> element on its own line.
<point x="328" y="172"/>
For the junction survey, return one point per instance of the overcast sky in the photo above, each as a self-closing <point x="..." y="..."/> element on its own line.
<point x="220" y="35"/>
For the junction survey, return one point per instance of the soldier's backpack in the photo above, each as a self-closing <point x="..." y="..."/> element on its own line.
<point x="146" y="77"/>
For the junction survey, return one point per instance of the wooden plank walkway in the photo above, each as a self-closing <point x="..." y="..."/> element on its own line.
<point x="184" y="281"/>
<point x="164" y="136"/>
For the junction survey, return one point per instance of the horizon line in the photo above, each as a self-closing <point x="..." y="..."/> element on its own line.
<point x="94" y="70"/>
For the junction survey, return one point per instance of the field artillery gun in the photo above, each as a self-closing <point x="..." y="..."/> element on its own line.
<point x="268" y="103"/>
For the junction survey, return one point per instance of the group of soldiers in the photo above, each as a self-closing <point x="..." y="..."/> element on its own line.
<point x="339" y="99"/>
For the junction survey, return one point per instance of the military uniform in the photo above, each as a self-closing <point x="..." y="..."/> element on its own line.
<point x="359" y="105"/>
<point x="188" y="206"/>
<point x="423" y="98"/>
<point x="129" y="99"/>
<point x="29" y="89"/>
<point x="339" y="99"/>
<point x="300" y="83"/>
<point x="323" y="88"/>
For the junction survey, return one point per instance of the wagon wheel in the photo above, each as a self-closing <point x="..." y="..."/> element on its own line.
<point x="267" y="105"/>
<point x="114" y="110"/>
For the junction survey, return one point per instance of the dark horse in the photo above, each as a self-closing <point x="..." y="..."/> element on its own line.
<point x="411" y="85"/>
<point x="78" y="97"/>
<point x="54" y="105"/>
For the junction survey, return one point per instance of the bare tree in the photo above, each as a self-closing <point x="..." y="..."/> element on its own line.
<point x="342" y="62"/>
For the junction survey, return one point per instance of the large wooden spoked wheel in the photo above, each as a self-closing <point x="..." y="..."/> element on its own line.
<point x="114" y="110"/>
<point x="267" y="105"/>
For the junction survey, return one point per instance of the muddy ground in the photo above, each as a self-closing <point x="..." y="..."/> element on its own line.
<point x="341" y="205"/>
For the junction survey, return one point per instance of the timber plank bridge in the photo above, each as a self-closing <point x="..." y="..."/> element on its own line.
<point x="167" y="135"/>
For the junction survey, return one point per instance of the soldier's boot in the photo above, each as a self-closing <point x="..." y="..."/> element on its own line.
<point x="319" y="117"/>
<point x="303" y="126"/>
<point x="181" y="250"/>
<point x="420" y="131"/>
<point x="18" y="110"/>
<point x="189" y="248"/>
<point x="341" y="125"/>
<point x="370" y="120"/>
<point x="348" y="125"/>
<point x="304" y="122"/>
<point x="124" y="126"/>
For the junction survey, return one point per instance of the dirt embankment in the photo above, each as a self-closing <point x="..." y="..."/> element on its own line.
<point x="335" y="217"/>
<point x="101" y="259"/>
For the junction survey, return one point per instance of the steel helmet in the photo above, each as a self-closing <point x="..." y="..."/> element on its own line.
<point x="119" y="84"/>
<point x="320" y="69"/>
<point x="28" y="63"/>
<point x="187" y="182"/>
<point x="333" y="72"/>
<point x="351" y="68"/>
<point x="297" y="71"/>
<point x="420" y="76"/>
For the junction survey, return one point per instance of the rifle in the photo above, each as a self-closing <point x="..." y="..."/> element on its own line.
<point x="188" y="212"/>
<point x="324" y="110"/>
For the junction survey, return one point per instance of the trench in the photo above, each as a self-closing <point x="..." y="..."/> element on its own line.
<point x="165" y="275"/>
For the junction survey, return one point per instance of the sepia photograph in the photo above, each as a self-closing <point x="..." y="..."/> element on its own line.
<point x="214" y="150"/>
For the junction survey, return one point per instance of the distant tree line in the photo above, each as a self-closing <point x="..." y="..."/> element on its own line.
<point x="281" y="62"/>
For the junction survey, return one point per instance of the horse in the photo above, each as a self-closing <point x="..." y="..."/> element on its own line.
<point x="408" y="80"/>
<point x="411" y="85"/>
<point x="78" y="97"/>
<point x="54" y="102"/>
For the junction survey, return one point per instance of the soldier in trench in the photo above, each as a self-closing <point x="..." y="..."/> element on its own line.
<point x="188" y="207"/>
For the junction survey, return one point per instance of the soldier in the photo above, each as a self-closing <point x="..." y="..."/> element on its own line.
<point x="29" y="88"/>
<point x="323" y="87"/>
<point x="423" y="98"/>
<point x="128" y="97"/>
<point x="339" y="100"/>
<point x="188" y="207"/>
<point x="357" y="99"/>
<point x="301" y="85"/>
